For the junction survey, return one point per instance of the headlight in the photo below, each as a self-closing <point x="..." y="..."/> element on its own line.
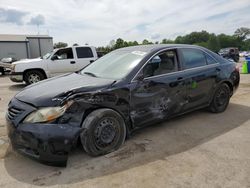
<point x="12" y="67"/>
<point x="47" y="114"/>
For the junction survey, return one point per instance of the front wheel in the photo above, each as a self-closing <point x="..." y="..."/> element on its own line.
<point x="220" y="99"/>
<point x="2" y="71"/>
<point x="105" y="132"/>
<point x="33" y="76"/>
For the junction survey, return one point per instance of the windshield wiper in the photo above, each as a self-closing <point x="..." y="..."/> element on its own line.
<point x="90" y="73"/>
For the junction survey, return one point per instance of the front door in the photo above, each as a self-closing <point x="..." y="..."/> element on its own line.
<point x="62" y="62"/>
<point x="161" y="93"/>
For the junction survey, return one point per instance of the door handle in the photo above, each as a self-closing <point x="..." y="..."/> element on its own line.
<point x="72" y="62"/>
<point x="180" y="79"/>
<point x="218" y="71"/>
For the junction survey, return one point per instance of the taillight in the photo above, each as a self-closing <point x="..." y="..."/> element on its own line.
<point x="237" y="68"/>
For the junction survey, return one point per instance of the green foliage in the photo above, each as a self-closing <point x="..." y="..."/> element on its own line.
<point x="60" y="45"/>
<point x="242" y="33"/>
<point x="213" y="43"/>
<point x="167" y="41"/>
<point x="145" y="42"/>
<point x="192" y="38"/>
<point x="202" y="38"/>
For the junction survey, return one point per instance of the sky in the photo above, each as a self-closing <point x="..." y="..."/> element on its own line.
<point x="97" y="22"/>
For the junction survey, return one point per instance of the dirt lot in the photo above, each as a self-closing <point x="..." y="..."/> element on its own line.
<point x="199" y="149"/>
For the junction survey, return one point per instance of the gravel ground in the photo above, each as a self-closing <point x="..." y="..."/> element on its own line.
<point x="199" y="149"/>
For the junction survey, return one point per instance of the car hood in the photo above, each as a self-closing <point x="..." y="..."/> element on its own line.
<point x="27" y="61"/>
<point x="45" y="92"/>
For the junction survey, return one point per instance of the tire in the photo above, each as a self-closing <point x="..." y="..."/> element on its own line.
<point x="2" y="71"/>
<point x="33" y="76"/>
<point x="236" y="59"/>
<point x="221" y="99"/>
<point x="105" y="132"/>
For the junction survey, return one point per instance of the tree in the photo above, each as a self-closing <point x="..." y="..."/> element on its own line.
<point x="145" y="42"/>
<point x="135" y="43"/>
<point x="167" y="41"/>
<point x="75" y="44"/>
<point x="213" y="43"/>
<point x="242" y="33"/>
<point x="228" y="41"/>
<point x="119" y="43"/>
<point x="60" y="45"/>
<point x="179" y="40"/>
<point x="240" y="39"/>
<point x="192" y="38"/>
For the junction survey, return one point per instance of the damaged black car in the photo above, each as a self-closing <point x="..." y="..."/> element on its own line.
<point x="122" y="91"/>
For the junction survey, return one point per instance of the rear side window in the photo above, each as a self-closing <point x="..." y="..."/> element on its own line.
<point x="193" y="58"/>
<point x="84" y="52"/>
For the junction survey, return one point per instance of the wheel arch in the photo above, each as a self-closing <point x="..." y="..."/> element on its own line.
<point x="230" y="85"/>
<point x="36" y="69"/>
<point x="128" y="122"/>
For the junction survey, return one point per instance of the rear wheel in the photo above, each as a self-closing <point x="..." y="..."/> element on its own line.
<point x="33" y="76"/>
<point x="105" y="132"/>
<point x="221" y="99"/>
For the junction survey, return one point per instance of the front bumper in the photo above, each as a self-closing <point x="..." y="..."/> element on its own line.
<point x="16" y="77"/>
<point x="48" y="143"/>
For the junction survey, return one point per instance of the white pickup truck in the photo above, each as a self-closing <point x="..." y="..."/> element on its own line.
<point x="60" y="61"/>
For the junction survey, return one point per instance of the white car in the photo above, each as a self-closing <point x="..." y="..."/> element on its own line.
<point x="60" y="61"/>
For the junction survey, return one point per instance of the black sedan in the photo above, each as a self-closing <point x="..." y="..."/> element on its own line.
<point x="124" y="90"/>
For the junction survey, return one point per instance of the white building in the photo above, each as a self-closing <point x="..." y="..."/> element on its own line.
<point x="25" y="46"/>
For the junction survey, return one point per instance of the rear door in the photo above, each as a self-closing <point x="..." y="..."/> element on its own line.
<point x="84" y="56"/>
<point x="201" y="72"/>
<point x="161" y="93"/>
<point x="62" y="62"/>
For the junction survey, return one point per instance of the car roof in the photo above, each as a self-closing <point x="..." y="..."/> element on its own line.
<point x="154" y="47"/>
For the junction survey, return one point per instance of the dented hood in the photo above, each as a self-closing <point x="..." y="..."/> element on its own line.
<point x="45" y="92"/>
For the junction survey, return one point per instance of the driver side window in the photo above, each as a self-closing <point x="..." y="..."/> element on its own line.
<point x="66" y="53"/>
<point x="162" y="63"/>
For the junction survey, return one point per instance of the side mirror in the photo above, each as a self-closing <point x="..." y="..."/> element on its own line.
<point x="54" y="57"/>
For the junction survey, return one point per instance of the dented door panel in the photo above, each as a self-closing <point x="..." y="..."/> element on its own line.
<point x="157" y="98"/>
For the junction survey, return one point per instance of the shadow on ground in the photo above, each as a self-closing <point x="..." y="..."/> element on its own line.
<point x="17" y="87"/>
<point x="147" y="145"/>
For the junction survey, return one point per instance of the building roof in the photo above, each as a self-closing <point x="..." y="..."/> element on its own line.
<point x="20" y="38"/>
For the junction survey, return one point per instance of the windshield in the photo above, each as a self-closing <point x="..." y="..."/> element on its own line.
<point x="46" y="56"/>
<point x="115" y="65"/>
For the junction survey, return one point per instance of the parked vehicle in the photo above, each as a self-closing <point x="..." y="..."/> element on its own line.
<point x="5" y="64"/>
<point x="2" y="70"/>
<point x="124" y="90"/>
<point x="60" y="61"/>
<point x="230" y="53"/>
<point x="244" y="54"/>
